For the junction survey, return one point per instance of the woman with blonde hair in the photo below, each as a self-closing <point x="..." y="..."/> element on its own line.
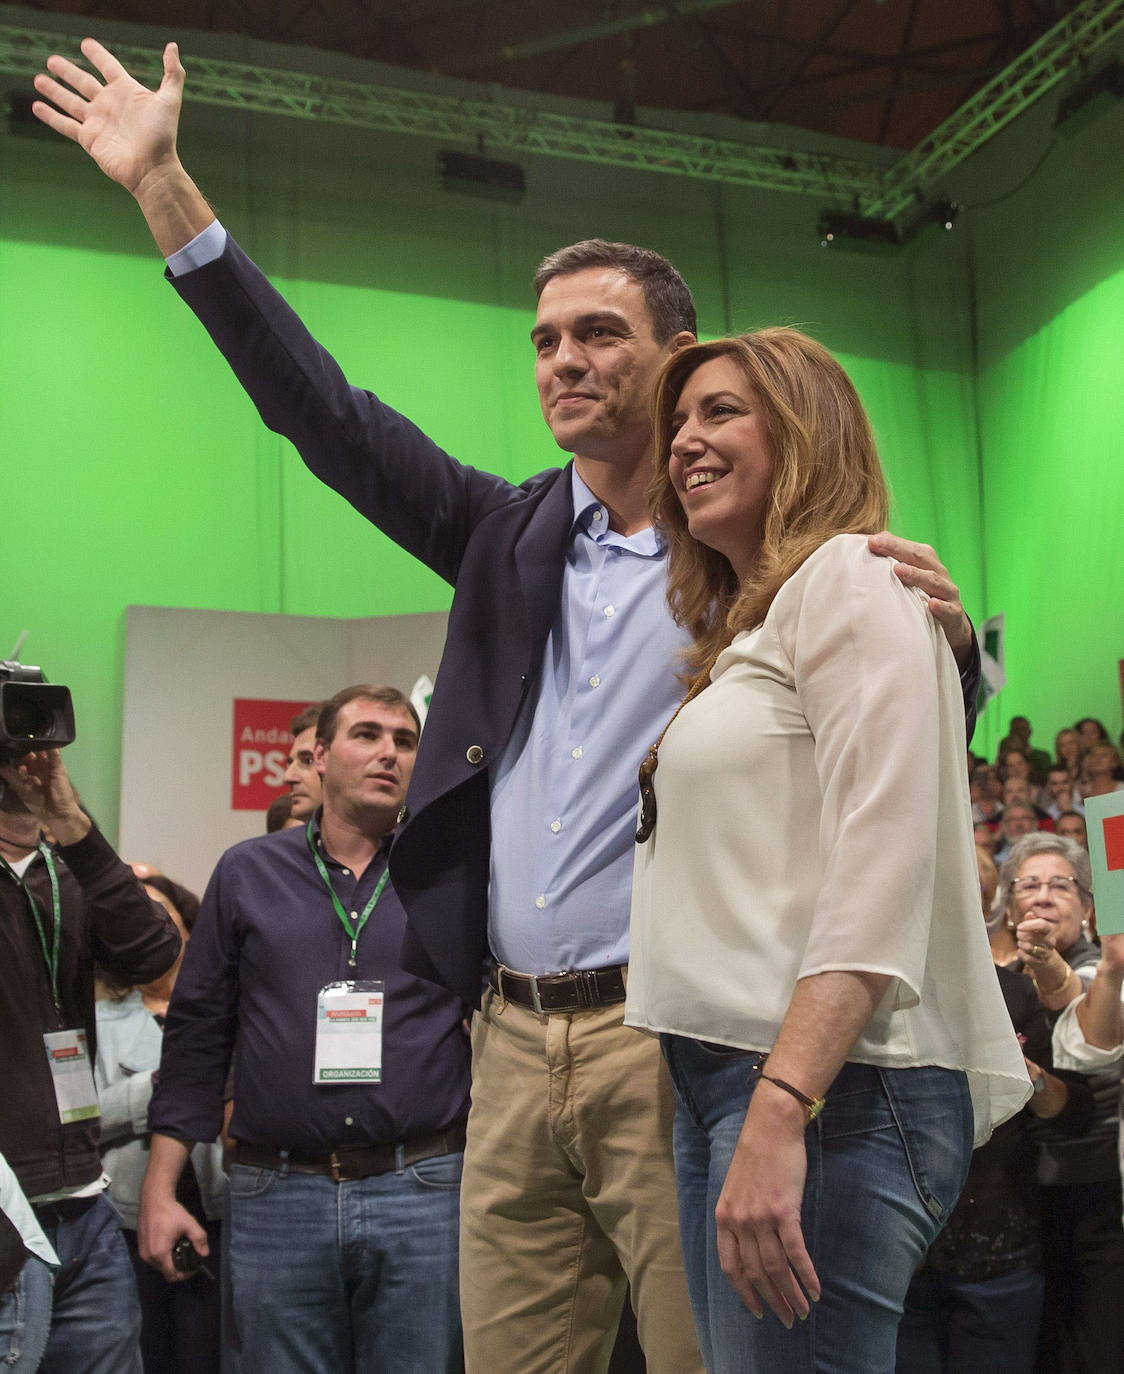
<point x="821" y="983"/>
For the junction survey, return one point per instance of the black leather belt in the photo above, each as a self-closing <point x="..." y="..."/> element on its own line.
<point x="64" y="1208"/>
<point x="578" y="990"/>
<point x="349" y="1163"/>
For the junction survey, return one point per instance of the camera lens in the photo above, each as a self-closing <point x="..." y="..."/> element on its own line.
<point x="27" y="718"/>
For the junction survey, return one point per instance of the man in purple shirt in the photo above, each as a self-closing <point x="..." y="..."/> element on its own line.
<point x="350" y="1080"/>
<point x="558" y="673"/>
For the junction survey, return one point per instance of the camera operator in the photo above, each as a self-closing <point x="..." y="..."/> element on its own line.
<point x="62" y="909"/>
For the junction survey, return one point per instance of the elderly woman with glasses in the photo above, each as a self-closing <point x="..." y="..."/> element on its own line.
<point x="806" y="931"/>
<point x="1045" y="889"/>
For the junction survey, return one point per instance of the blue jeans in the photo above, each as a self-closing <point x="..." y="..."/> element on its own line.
<point x="180" y="1321"/>
<point x="886" y="1161"/>
<point x="95" y="1312"/>
<point x="990" y="1327"/>
<point x="25" y="1318"/>
<point x="355" y="1276"/>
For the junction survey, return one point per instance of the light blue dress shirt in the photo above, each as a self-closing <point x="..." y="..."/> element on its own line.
<point x="205" y="247"/>
<point x="564" y="794"/>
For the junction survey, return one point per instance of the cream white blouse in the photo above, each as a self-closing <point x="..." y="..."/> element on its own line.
<point x="813" y="815"/>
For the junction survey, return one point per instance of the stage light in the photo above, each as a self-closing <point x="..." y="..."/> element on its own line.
<point x="943" y="213"/>
<point x="858" y="233"/>
<point x="474" y="175"/>
<point x="866" y="234"/>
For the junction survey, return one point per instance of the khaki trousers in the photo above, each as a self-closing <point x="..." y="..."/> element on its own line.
<point x="568" y="1196"/>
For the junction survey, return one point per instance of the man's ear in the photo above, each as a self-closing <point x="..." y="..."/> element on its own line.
<point x="681" y="340"/>
<point x="319" y="750"/>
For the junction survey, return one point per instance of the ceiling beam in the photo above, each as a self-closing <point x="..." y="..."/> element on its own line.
<point x="575" y="36"/>
<point x="895" y="80"/>
<point x="811" y="53"/>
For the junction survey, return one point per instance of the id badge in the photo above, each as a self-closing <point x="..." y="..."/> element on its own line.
<point x="349" y="1033"/>
<point x="69" y="1057"/>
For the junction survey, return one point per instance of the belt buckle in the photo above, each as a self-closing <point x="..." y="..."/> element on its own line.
<point x="536" y="995"/>
<point x="338" y="1176"/>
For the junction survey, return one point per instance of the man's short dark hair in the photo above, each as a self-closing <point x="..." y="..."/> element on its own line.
<point x="306" y="719"/>
<point x="665" y="292"/>
<point x="184" y="900"/>
<point x="1065" y="815"/>
<point x="330" y="710"/>
<point x="279" y="812"/>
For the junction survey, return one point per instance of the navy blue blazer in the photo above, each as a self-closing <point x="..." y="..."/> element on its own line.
<point x="502" y="548"/>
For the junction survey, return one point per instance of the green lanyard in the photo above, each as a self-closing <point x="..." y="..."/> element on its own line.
<point x="51" y="953"/>
<point x="353" y="931"/>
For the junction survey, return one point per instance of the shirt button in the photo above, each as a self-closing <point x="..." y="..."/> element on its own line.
<point x="595" y="680"/>
<point x="540" y="901"/>
<point x="556" y="826"/>
<point x="576" y="753"/>
<point x="474" y="754"/>
<point x="349" y="1121"/>
<point x="355" y="915"/>
<point x="609" y="611"/>
<point x="598" y="515"/>
<point x="346" y="872"/>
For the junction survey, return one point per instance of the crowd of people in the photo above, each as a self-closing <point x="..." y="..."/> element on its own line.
<point x="505" y="1019"/>
<point x="1028" y="1272"/>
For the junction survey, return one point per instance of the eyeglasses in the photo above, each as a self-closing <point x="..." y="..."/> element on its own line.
<point x="1028" y="887"/>
<point x="647" y="795"/>
<point x="652" y="758"/>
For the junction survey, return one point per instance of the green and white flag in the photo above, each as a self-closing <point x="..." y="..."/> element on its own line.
<point x="992" y="674"/>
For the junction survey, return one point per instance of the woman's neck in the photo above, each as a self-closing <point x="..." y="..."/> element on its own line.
<point x="1003" y="946"/>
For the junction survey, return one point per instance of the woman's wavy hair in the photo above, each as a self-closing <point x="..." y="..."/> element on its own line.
<point x="827" y="480"/>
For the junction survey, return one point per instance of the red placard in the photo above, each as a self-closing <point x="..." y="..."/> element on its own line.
<point x="261" y="741"/>
<point x="1114" y="842"/>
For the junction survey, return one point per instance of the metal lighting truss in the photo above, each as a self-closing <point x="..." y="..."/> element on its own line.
<point x="522" y="129"/>
<point x="265" y="90"/>
<point x="995" y="105"/>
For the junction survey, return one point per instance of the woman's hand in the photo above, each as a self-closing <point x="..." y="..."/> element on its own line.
<point x="1112" y="954"/>
<point x="1055" y="982"/>
<point x="760" y="1242"/>
<point x="1036" y="940"/>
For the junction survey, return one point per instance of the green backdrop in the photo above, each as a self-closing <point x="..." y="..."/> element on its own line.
<point x="136" y="472"/>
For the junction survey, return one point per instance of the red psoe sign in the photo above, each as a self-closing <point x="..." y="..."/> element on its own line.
<point x="261" y="741"/>
<point x="1114" y="842"/>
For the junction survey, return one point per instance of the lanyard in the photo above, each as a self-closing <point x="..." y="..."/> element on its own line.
<point x="353" y="931"/>
<point x="50" y="953"/>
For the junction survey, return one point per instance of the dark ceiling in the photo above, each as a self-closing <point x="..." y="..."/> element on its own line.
<point x="880" y="71"/>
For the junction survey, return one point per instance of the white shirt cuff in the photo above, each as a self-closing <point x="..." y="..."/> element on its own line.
<point x="1073" y="1051"/>
<point x="205" y="247"/>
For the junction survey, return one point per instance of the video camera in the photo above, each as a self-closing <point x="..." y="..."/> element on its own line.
<point x="34" y="714"/>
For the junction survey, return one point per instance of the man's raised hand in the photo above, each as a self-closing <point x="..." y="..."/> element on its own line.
<point x="128" y="130"/>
